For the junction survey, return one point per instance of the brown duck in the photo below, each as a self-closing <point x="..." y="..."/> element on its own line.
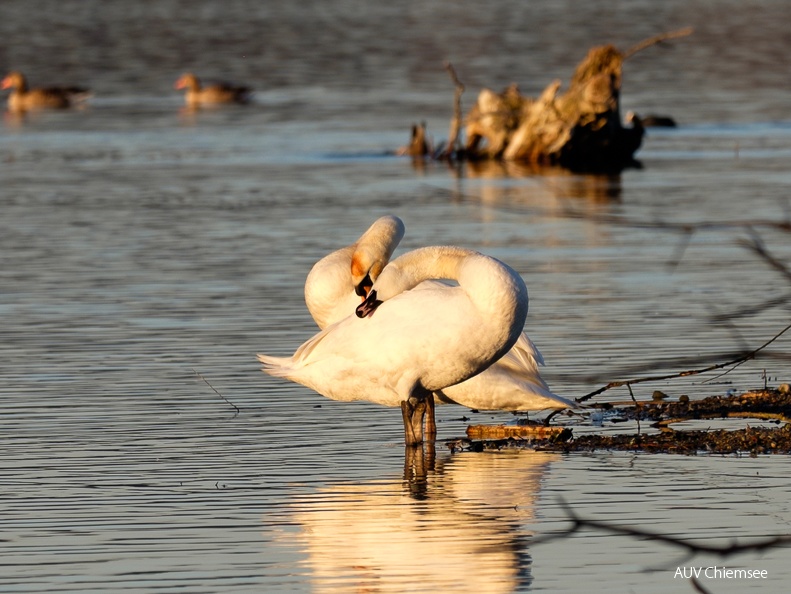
<point x="23" y="98"/>
<point x="198" y="95"/>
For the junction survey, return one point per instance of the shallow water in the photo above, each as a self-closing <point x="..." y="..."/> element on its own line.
<point x="147" y="254"/>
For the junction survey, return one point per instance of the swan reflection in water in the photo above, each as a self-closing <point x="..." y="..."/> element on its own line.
<point x="451" y="524"/>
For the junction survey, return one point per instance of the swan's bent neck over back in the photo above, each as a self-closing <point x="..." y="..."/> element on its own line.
<point x="335" y="283"/>
<point x="497" y="295"/>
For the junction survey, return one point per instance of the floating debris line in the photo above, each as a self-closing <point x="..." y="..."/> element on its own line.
<point x="765" y="404"/>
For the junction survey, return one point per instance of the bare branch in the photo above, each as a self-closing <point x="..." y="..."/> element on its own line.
<point x="685" y="228"/>
<point x="756" y="245"/>
<point x="455" y="123"/>
<point x="236" y="408"/>
<point x="681" y="249"/>
<point x="737" y="361"/>
<point x="693" y="548"/>
<point x="752" y="310"/>
<point x="656" y="39"/>
<point x="699" y="587"/>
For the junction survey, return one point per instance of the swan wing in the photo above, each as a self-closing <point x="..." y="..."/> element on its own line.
<point x="511" y="383"/>
<point x="524" y="354"/>
<point x="420" y="340"/>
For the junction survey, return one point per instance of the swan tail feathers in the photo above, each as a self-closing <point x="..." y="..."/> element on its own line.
<point x="286" y="366"/>
<point x="556" y="401"/>
<point x="276" y="366"/>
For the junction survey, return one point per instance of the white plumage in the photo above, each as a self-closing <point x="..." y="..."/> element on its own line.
<point x="426" y="337"/>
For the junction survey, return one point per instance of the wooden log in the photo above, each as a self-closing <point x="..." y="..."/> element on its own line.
<point x="505" y="431"/>
<point x="579" y="129"/>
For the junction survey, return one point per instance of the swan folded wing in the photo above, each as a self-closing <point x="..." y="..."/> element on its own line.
<point x="501" y="388"/>
<point x="529" y="349"/>
<point x="523" y="355"/>
<point x="306" y="348"/>
<point x="511" y="383"/>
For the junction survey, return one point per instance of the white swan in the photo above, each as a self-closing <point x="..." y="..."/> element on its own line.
<point x="332" y="292"/>
<point x="405" y="345"/>
<point x="337" y="282"/>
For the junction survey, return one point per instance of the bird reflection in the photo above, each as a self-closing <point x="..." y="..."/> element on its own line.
<point x="450" y="524"/>
<point x="418" y="461"/>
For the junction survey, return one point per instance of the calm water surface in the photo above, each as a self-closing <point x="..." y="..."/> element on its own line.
<point x="147" y="254"/>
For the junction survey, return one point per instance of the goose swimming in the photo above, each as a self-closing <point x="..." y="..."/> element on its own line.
<point x="199" y="95"/>
<point x="23" y="97"/>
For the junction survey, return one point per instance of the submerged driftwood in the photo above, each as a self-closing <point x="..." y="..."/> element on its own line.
<point x="580" y="129"/>
<point x="766" y="404"/>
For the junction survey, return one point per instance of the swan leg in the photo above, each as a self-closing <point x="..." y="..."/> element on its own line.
<point x="413" y="410"/>
<point x="431" y="423"/>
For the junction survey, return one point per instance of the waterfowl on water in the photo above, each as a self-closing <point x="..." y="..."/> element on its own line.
<point x="198" y="95"/>
<point x="512" y="382"/>
<point x="334" y="288"/>
<point x="24" y="98"/>
<point x="404" y="345"/>
<point x="650" y="121"/>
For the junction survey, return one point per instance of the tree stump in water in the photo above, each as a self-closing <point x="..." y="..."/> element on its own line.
<point x="580" y="129"/>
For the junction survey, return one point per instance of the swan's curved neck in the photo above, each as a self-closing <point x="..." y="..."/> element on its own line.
<point x="435" y="262"/>
<point x="373" y="250"/>
<point x="489" y="283"/>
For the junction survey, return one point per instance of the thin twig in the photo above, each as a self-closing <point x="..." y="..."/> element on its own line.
<point x="753" y="309"/>
<point x="731" y="328"/>
<point x="662" y="37"/>
<point x="637" y="405"/>
<point x="756" y="245"/>
<point x="681" y="248"/>
<point x="455" y="123"/>
<point x="687" y="230"/>
<point x="699" y="587"/>
<point x="236" y="408"/>
<point x="738" y="361"/>
<point x="614" y="219"/>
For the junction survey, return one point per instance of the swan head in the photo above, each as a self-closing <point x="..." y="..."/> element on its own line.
<point x="373" y="250"/>
<point x="391" y="282"/>
<point x="368" y="306"/>
<point x="366" y="268"/>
